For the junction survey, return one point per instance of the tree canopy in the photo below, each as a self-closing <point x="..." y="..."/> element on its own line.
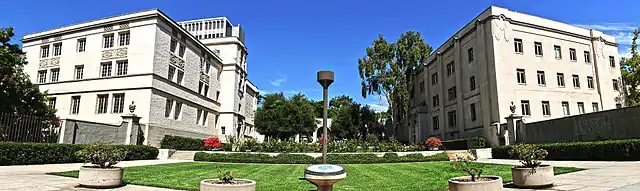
<point x="630" y="69"/>
<point x="282" y="118"/>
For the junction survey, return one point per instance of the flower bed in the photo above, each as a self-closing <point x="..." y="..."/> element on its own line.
<point x="286" y="158"/>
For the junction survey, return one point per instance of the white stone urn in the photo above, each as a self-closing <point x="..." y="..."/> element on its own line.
<point x="541" y="176"/>
<point x="236" y="185"/>
<point x="486" y="183"/>
<point x="96" y="177"/>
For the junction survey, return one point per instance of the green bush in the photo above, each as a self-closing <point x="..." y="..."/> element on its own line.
<point x="464" y="144"/>
<point x="390" y="155"/>
<point x="12" y="153"/>
<point x="102" y="155"/>
<point x="182" y="143"/>
<point x="615" y="150"/>
<point x="414" y="156"/>
<point x="286" y="158"/>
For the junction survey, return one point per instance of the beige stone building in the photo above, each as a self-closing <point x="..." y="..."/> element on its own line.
<point x="548" y="69"/>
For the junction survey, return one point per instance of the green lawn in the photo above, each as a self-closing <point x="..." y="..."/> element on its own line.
<point x="429" y="176"/>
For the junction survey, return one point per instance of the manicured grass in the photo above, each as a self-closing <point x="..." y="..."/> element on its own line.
<point x="427" y="176"/>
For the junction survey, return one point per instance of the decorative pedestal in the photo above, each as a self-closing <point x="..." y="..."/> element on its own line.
<point x="324" y="175"/>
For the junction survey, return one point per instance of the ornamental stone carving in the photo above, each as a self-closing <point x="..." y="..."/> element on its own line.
<point x="176" y="61"/>
<point x="204" y="78"/>
<point x="51" y="62"/>
<point x="114" y="53"/>
<point x="502" y="24"/>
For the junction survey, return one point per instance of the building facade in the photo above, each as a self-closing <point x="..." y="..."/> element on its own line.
<point x="547" y="69"/>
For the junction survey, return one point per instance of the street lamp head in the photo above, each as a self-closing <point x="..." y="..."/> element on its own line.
<point x="325" y="78"/>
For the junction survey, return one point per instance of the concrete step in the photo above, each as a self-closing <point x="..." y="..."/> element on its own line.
<point x="183" y="155"/>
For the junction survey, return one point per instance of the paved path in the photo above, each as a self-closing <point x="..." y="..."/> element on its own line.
<point x="33" y="177"/>
<point x="599" y="176"/>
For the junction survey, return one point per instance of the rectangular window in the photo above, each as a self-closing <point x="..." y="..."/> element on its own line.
<point x="557" y="52"/>
<point x="452" y="93"/>
<point x="75" y="105"/>
<point x="42" y="76"/>
<point x="78" y="72"/>
<point x="541" y="78"/>
<point x="452" y="118"/>
<point x="105" y="69"/>
<point x="172" y="72"/>
<point x="44" y="51"/>
<point x="434" y="78"/>
<point x="576" y="81"/>
<point x="223" y="129"/>
<point x="200" y="85"/>
<point x="217" y="95"/>
<point x="82" y="44"/>
<point x="595" y="107"/>
<point x="118" y="103"/>
<point x="590" y="82"/>
<point x="52" y="102"/>
<point x="102" y="103"/>
<point x="168" y="108"/>
<point x="472" y="110"/>
<point x="538" y="48"/>
<point x="181" y="51"/>
<point x="123" y="38"/>
<point x="436" y="123"/>
<point x="560" y="77"/>
<point x="107" y="41"/>
<point x="199" y="115"/>
<point x="435" y="100"/>
<point x="618" y="106"/>
<point x="580" y="108"/>
<point x="57" y="49"/>
<point x="572" y="54"/>
<point x="518" y="45"/>
<point x="55" y="74"/>
<point x="173" y="46"/>
<point x="472" y="83"/>
<point x="177" y="113"/>
<point x="422" y="86"/>
<point x="521" y="76"/>
<point x="206" y="91"/>
<point x="122" y="67"/>
<point x="524" y="105"/>
<point x="587" y="57"/>
<point x="450" y="69"/>
<point x="615" y="84"/>
<point x="470" y="54"/>
<point x="179" y="77"/>
<point x="565" y="108"/>
<point x="612" y="61"/>
<point x="546" y="111"/>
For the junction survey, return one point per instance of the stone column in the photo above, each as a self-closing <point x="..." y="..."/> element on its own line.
<point x="511" y="136"/>
<point x="62" y="131"/>
<point x="315" y="136"/>
<point x="132" y="121"/>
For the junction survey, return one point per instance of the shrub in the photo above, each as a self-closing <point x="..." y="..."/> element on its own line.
<point x="615" y="150"/>
<point x="212" y="143"/>
<point x="225" y="176"/>
<point x="390" y="155"/>
<point x="226" y="147"/>
<point x="414" y="156"/>
<point x="139" y="152"/>
<point x="286" y="158"/>
<point x="529" y="155"/>
<point x="433" y="142"/>
<point x="464" y="144"/>
<point x="463" y="164"/>
<point x="182" y="143"/>
<point x="250" y="145"/>
<point x="102" y="155"/>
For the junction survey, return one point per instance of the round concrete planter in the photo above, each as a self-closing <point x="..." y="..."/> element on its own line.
<point x="495" y="184"/>
<point x="541" y="176"/>
<point x="93" y="177"/>
<point x="206" y="186"/>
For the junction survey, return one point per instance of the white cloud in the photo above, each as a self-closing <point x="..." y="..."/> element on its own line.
<point x="279" y="81"/>
<point x="378" y="107"/>
<point x="610" y="26"/>
<point x="624" y="52"/>
<point x="292" y="92"/>
<point x="624" y="38"/>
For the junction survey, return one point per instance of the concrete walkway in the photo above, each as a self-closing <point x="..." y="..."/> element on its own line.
<point x="599" y="176"/>
<point x="33" y="177"/>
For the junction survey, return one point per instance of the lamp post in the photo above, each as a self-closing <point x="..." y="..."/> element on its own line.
<point x="325" y="78"/>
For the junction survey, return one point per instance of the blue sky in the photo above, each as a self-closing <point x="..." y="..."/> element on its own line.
<point x="289" y="41"/>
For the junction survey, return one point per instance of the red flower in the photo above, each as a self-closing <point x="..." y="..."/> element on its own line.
<point x="328" y="140"/>
<point x="212" y="143"/>
<point x="433" y="142"/>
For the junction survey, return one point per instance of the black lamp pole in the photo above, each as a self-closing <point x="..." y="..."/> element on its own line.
<point x="325" y="78"/>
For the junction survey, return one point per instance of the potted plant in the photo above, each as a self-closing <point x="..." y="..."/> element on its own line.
<point x="213" y="144"/>
<point x="226" y="182"/>
<point x="531" y="174"/>
<point x="102" y="173"/>
<point x="473" y="182"/>
<point x="433" y="143"/>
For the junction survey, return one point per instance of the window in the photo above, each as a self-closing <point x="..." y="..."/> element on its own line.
<point x="618" y="106"/>
<point x="121" y="67"/>
<point x="177" y="113"/>
<point x="435" y="100"/>
<point x="44" y="51"/>
<point x="546" y="111"/>
<point x="102" y="103"/>
<point x="450" y="69"/>
<point x="202" y="117"/>
<point x="82" y="44"/>
<point x="52" y="102"/>
<point x="452" y="93"/>
<point x="580" y="108"/>
<point x="200" y="85"/>
<point x="587" y="57"/>
<point x="572" y="55"/>
<point x="470" y="54"/>
<point x="181" y="51"/>
<point x="565" y="108"/>
<point x="75" y="105"/>
<point x="472" y="110"/>
<point x="518" y="45"/>
<point x="472" y="83"/>
<point x="538" y="48"/>
<point x="521" y="76"/>
<point x="105" y="69"/>
<point x="217" y="95"/>
<point x="55" y="74"/>
<point x="179" y="77"/>
<point x="541" y="78"/>
<point x="42" y="76"/>
<point x="615" y="84"/>
<point x="205" y="92"/>
<point x="78" y="72"/>
<point x="557" y="52"/>
<point x="57" y="49"/>
<point x="422" y="86"/>
<point x="436" y="122"/>
<point x="172" y="72"/>
<point x="589" y="82"/>
<point x="107" y="41"/>
<point x="239" y="107"/>
<point x="223" y="129"/>
<point x="576" y="81"/>
<point x="168" y="108"/>
<point x="434" y="78"/>
<point x="118" y="103"/>
<point x="452" y="118"/>
<point x="173" y="46"/>
<point x="612" y="61"/>
<point x="199" y="115"/>
<point x="123" y="38"/>
<point x="560" y="77"/>
<point x="594" y="105"/>
<point x="524" y="105"/>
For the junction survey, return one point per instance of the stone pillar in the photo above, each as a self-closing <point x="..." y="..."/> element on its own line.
<point x="132" y="121"/>
<point x="297" y="138"/>
<point x="62" y="130"/>
<point x="315" y="136"/>
<point x="511" y="136"/>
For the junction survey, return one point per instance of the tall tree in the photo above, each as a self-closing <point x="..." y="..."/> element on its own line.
<point x="630" y="68"/>
<point x="387" y="70"/>
<point x="17" y="93"/>
<point x="283" y="118"/>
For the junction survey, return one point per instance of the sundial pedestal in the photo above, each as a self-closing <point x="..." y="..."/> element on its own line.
<point x="324" y="175"/>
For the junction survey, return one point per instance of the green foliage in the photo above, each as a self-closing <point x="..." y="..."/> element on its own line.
<point x="283" y="118"/>
<point x="529" y="155"/>
<point x="464" y="144"/>
<point x="182" y="143"/>
<point x="102" y="155"/>
<point x="12" y="153"/>
<point x="464" y="164"/>
<point x="390" y="155"/>
<point x="615" y="150"/>
<point x="305" y="159"/>
<point x="630" y="72"/>
<point x="226" y="176"/>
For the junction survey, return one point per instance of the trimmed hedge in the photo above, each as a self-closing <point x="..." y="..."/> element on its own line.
<point x="286" y="158"/>
<point x="464" y="144"/>
<point x="182" y="143"/>
<point x="615" y="150"/>
<point x="13" y="153"/>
